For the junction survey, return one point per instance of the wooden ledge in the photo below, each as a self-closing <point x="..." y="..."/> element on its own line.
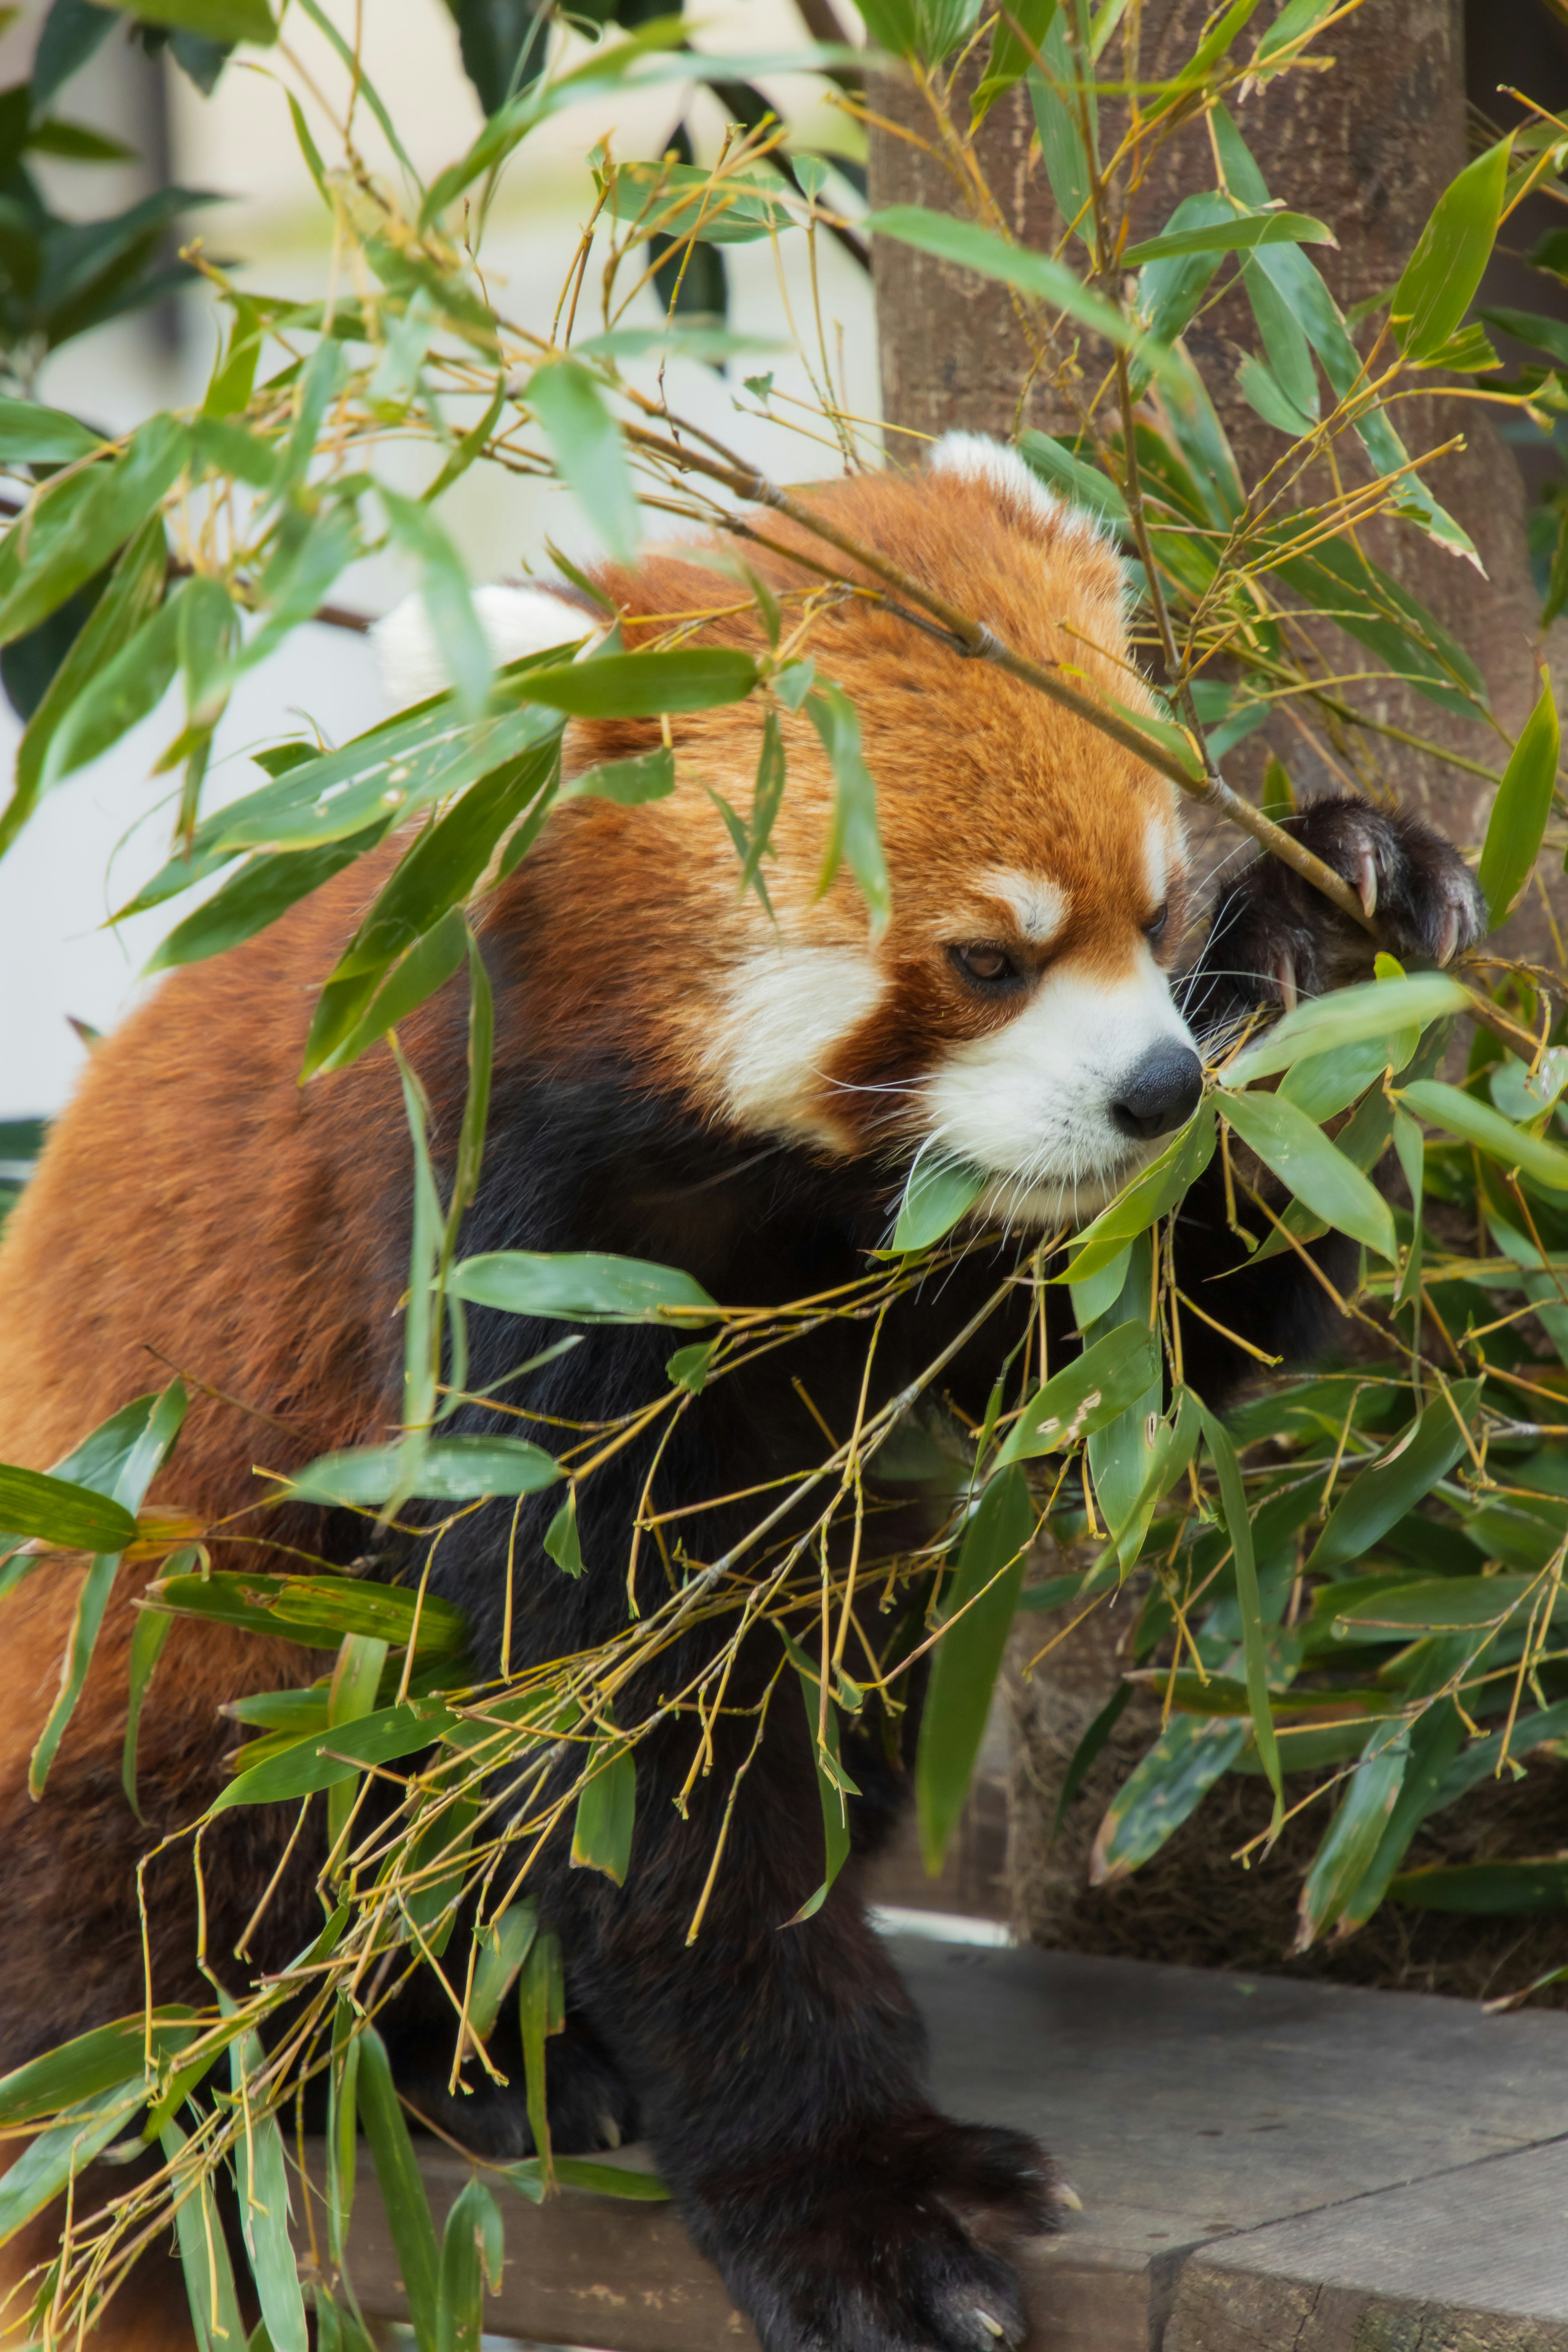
<point x="1264" y="2166"/>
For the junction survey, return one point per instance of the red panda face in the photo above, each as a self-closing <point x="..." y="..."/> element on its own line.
<point x="1016" y="1014"/>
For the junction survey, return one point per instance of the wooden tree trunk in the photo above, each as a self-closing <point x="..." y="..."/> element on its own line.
<point x="1367" y="148"/>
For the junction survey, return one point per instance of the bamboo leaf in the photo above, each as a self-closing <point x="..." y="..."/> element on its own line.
<point x="1443" y="275"/>
<point x="985" y="1588"/>
<point x="1520" y="812"/>
<point x="541" y="2011"/>
<point x="1086" y="1394"/>
<point x="968" y="247"/>
<point x="307" y="1608"/>
<point x="460" y="642"/>
<point x="1014" y="46"/>
<point x="854" y="834"/>
<point x="108" y="506"/>
<point x="49" y="2162"/>
<point x="581" y="1289"/>
<point x="53" y="1511"/>
<point x="586" y="441"/>
<point x="1238" y="1527"/>
<point x="1241" y="233"/>
<point x="204" y="2255"/>
<point x="402" y="2189"/>
<point x="1163" y="1790"/>
<point x="1312" y="1167"/>
<point x="501" y="1948"/>
<point x="606" y="1811"/>
<point x="1348" y="1016"/>
<point x="1354" y="1835"/>
<point x="938" y="1193"/>
<point x="446" y="1470"/>
<point x="105" y="2059"/>
<point x="1474" y="1122"/>
<point x="1486" y="1887"/>
<point x="261" y="2181"/>
<point x="1151" y="1195"/>
<point x="1378" y="1496"/>
<point x="471" y="2249"/>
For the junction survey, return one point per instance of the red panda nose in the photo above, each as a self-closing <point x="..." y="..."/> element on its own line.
<point x="1159" y="1093"/>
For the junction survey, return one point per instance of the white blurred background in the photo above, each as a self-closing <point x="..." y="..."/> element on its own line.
<point x="91" y="844"/>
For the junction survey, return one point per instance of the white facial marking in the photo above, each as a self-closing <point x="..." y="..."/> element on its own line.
<point x="1031" y="1102"/>
<point x="786" y="1008"/>
<point x="516" y="621"/>
<point x="1157" y="861"/>
<point x="1038" y="907"/>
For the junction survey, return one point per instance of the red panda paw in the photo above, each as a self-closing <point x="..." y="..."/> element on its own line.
<point x="885" y="2244"/>
<point x="1274" y="939"/>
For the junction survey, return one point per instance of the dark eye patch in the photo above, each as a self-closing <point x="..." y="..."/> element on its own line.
<point x="986" y="967"/>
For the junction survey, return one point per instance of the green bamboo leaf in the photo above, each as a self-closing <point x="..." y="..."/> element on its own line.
<point x="854" y="834"/>
<point x="968" y="247"/>
<point x="143" y="1456"/>
<point x="938" y="1193"/>
<point x="1486" y="1887"/>
<point x="402" y="2189"/>
<point x="132" y="683"/>
<point x="356" y="1680"/>
<point x="460" y="642"/>
<point x="1434" y="1743"/>
<point x="41" y="566"/>
<point x="148" y="1636"/>
<point x="1521" y="811"/>
<point x="563" y="1543"/>
<point x="1411" y="1145"/>
<point x="1083" y="485"/>
<point x="541" y="2011"/>
<point x="55" y="2158"/>
<point x="1445" y="1604"/>
<point x="227" y="21"/>
<point x="1163" y="1790"/>
<point x="100" y="1461"/>
<point x="985" y="1588"/>
<point x="767" y="799"/>
<point x="1442" y="276"/>
<point x="52" y="1511"/>
<point x="1151" y="1195"/>
<point x="261" y="2181"/>
<point x="264" y="887"/>
<point x="502" y="1947"/>
<point x="1324" y="1084"/>
<point x="1241" y="233"/>
<point x="1346" y="1016"/>
<point x="1378" y="1496"/>
<point x="305" y="1608"/>
<point x="1354" y="1835"/>
<point x="446" y="1470"/>
<point x="686" y="200"/>
<point x="1056" y="90"/>
<point x="1238" y="1527"/>
<point x="649" y="776"/>
<point x="590" y="1288"/>
<point x="1295" y="21"/>
<point x="1169" y="292"/>
<point x="472" y="2250"/>
<point x="134" y="592"/>
<point x="342" y="2125"/>
<point x="105" y="2059"/>
<point x="1015" y="45"/>
<point x="832" y="1780"/>
<point x="1474" y="1122"/>
<point x="1089" y="1393"/>
<point x="1313" y="1169"/>
<point x="338" y="1039"/>
<point x="31" y="434"/>
<point x="581" y="2173"/>
<point x="204" y="2253"/>
<point x="589" y="452"/>
<point x="328" y="1758"/>
<point x="606" y="1811"/>
<point x="644" y="684"/>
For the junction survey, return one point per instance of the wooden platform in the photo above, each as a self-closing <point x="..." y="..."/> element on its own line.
<point x="1264" y="2166"/>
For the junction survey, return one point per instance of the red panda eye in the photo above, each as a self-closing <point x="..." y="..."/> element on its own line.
<point x="1156" y="924"/>
<point x="992" y="966"/>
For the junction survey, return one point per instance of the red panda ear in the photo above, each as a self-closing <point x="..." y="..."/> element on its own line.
<point x="1029" y="505"/>
<point x="516" y="621"/>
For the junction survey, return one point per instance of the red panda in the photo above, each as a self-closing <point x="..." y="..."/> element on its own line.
<point x="684" y="1076"/>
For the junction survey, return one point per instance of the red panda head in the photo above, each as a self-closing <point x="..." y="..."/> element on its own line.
<point x="1016" y="1013"/>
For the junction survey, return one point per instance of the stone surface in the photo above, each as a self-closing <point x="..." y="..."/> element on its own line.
<point x="1264" y="2166"/>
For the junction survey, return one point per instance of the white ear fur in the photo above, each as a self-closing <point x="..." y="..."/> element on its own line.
<point x="516" y="621"/>
<point x="976" y="458"/>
